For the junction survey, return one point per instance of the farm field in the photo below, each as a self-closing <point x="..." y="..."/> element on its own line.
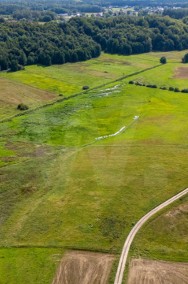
<point x="158" y="238"/>
<point x="13" y="93"/>
<point x="145" y="271"/>
<point x="78" y="174"/>
<point x="172" y="74"/>
<point x="69" y="79"/>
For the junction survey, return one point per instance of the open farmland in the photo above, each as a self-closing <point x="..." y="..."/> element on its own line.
<point x="157" y="239"/>
<point x="172" y="74"/>
<point x="145" y="271"/>
<point x="13" y="93"/>
<point x="69" y="79"/>
<point x="70" y="179"/>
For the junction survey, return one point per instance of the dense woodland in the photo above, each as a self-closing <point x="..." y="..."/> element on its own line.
<point x="23" y="43"/>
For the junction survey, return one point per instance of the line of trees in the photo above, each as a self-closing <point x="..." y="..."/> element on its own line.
<point x="25" y="43"/>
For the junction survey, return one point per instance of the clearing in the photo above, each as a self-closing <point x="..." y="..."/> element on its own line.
<point x="78" y="267"/>
<point x="157" y="272"/>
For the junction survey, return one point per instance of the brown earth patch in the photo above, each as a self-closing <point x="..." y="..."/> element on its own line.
<point x="157" y="272"/>
<point x="178" y="210"/>
<point x="181" y="73"/>
<point x="14" y="93"/>
<point x="84" y="268"/>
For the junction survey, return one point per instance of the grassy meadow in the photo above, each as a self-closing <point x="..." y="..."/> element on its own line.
<point x="63" y="186"/>
<point x="173" y="74"/>
<point x="68" y="79"/>
<point x="165" y="235"/>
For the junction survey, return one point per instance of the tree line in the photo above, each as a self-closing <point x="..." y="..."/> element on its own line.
<point x="25" y="43"/>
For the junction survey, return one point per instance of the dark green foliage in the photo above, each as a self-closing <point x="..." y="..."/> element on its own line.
<point x="85" y="87"/>
<point x="163" y="60"/>
<point x="22" y="107"/>
<point x="82" y="38"/>
<point x="176" y="13"/>
<point x="151" y="86"/>
<point x="185" y="58"/>
<point x="184" y="91"/>
<point x="29" y="43"/>
<point x="14" y="66"/>
<point x="176" y="90"/>
<point x="171" y="89"/>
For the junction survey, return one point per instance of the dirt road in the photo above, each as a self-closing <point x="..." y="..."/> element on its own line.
<point x="135" y="229"/>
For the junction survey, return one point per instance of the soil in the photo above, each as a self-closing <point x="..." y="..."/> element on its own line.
<point x="181" y="73"/>
<point x="157" y="272"/>
<point x="14" y="93"/>
<point x="84" y="268"/>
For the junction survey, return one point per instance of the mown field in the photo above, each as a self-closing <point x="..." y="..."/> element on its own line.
<point x="63" y="188"/>
<point x="13" y="93"/>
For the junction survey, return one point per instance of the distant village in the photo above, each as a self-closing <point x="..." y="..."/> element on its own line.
<point x="117" y="11"/>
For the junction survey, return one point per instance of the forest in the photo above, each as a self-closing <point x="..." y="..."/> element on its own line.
<point x="26" y="43"/>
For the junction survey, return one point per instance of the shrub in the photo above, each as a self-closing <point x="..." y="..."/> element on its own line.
<point x="185" y="58"/>
<point x="163" y="88"/>
<point x="176" y="90"/>
<point x="131" y="82"/>
<point x="171" y="89"/>
<point x="184" y="91"/>
<point x="163" y="60"/>
<point x="85" y="87"/>
<point x="151" y="86"/>
<point x="22" y="107"/>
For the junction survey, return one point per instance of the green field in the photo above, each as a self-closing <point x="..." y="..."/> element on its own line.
<point x="28" y="265"/>
<point x="63" y="188"/>
<point x="168" y="75"/>
<point x="165" y="236"/>
<point x="68" y="79"/>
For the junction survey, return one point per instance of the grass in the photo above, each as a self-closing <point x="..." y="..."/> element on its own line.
<point x="64" y="188"/>
<point x="165" y="236"/>
<point x="167" y="74"/>
<point x="69" y="78"/>
<point x="26" y="264"/>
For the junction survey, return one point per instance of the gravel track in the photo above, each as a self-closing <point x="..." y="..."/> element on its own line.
<point x="135" y="229"/>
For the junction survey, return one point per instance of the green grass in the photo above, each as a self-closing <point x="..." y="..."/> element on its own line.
<point x="66" y="189"/>
<point x="167" y="74"/>
<point x="165" y="236"/>
<point x="84" y="192"/>
<point x="69" y="78"/>
<point x="28" y="265"/>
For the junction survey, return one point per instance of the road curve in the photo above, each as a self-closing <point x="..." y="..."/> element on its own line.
<point x="135" y="229"/>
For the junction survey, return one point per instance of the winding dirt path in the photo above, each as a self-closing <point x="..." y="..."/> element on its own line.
<point x="135" y="229"/>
